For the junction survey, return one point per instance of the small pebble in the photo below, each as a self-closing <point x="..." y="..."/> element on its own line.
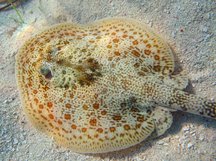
<point x="190" y="145"/>
<point x="201" y="138"/>
<point x="193" y="133"/>
<point x="186" y="128"/>
<point x="207" y="37"/>
<point x="204" y="28"/>
<point x="173" y="34"/>
<point x="160" y="142"/>
<point x="177" y="137"/>
<point x="15" y="141"/>
<point x="165" y="144"/>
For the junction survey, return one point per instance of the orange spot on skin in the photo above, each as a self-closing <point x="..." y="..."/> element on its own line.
<point x="148" y="46"/>
<point x="126" y="127"/>
<point x="147" y="52"/>
<point x="135" y="42"/>
<point x="93" y="122"/>
<point x="96" y="135"/>
<point x="41" y="106"/>
<point x="109" y="46"/>
<point x="67" y="116"/>
<point x="84" y="129"/>
<point x="124" y="36"/>
<point x="115" y="40"/>
<point x="35" y="91"/>
<point x="59" y="122"/>
<point x="73" y="126"/>
<point x="113" y="33"/>
<point x="36" y="100"/>
<point x="117" y="117"/>
<point x="145" y="41"/>
<point x="91" y="41"/>
<point x="100" y="130"/>
<point x="96" y="106"/>
<point x="112" y="129"/>
<point x="131" y="37"/>
<point x="68" y="105"/>
<point x="156" y="57"/>
<point x="51" y="116"/>
<point x="117" y="53"/>
<point x="85" y="107"/>
<point x="103" y="112"/>
<point x="30" y="84"/>
<point x="50" y="104"/>
<point x="135" y="53"/>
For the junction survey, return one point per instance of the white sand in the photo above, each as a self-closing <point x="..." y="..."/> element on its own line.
<point x="188" y="26"/>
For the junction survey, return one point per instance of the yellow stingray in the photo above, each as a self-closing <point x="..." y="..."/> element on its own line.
<point x="102" y="86"/>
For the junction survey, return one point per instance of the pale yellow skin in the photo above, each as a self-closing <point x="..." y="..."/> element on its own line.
<point x="103" y="86"/>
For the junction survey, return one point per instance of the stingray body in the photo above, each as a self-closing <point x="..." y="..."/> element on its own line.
<point x="103" y="86"/>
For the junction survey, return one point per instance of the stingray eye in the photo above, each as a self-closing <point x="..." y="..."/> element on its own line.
<point x="46" y="72"/>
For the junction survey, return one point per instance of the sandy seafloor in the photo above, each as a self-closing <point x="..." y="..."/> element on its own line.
<point x="188" y="26"/>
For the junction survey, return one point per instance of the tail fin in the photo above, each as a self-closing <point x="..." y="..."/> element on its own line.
<point x="191" y="103"/>
<point x="158" y="93"/>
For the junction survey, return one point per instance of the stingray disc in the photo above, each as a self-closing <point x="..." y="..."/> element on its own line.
<point x="70" y="86"/>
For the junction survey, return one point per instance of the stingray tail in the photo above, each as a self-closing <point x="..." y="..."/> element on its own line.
<point x="191" y="103"/>
<point x="170" y="97"/>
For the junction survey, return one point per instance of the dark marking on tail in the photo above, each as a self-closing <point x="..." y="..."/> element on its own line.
<point x="210" y="109"/>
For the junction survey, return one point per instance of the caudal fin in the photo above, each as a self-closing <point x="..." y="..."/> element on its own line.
<point x="191" y="103"/>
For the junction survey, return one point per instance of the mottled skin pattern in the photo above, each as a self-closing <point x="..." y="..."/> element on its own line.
<point x="103" y="86"/>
